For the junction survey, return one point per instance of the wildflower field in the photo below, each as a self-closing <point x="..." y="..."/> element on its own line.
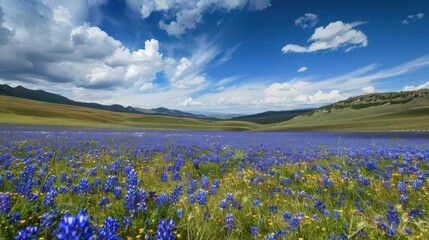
<point x="58" y="184"/>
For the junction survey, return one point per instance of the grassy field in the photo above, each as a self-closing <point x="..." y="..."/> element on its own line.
<point x="23" y="111"/>
<point x="413" y="115"/>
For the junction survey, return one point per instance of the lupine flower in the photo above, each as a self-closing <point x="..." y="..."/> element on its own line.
<point x="272" y="209"/>
<point x="27" y="233"/>
<point x="319" y="205"/>
<point x="118" y="193"/>
<point x="46" y="220"/>
<point x="286" y="216"/>
<point x="50" y="197"/>
<point x="294" y="222"/>
<point x="5" y="202"/>
<point x="179" y="213"/>
<point x="229" y="197"/>
<point x="111" y="183"/>
<point x="161" y="200"/>
<point x="202" y="197"/>
<point x="402" y="186"/>
<point x="223" y="204"/>
<point x="254" y="231"/>
<point x="256" y="202"/>
<point x="229" y="221"/>
<point x="204" y="182"/>
<point x="74" y="227"/>
<point x="109" y="229"/>
<point x="407" y="231"/>
<point x="336" y="214"/>
<point x="164" y="231"/>
<point x="414" y="213"/>
<point x="164" y="177"/>
<point x="131" y="195"/>
<point x="392" y="216"/>
<point x="126" y="222"/>
<point x="104" y="201"/>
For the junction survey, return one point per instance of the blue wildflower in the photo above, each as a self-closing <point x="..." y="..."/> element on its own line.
<point x="109" y="229"/>
<point x="202" y="197"/>
<point x="164" y="230"/>
<point x="229" y="221"/>
<point x="27" y="233"/>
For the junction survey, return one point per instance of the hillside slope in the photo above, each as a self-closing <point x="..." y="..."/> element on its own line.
<point x="272" y="116"/>
<point x="373" y="112"/>
<point x="23" y="111"/>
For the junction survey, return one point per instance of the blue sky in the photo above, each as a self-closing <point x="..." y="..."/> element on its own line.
<point x="240" y="56"/>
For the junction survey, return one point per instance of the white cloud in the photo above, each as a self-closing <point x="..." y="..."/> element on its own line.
<point x="302" y="69"/>
<point x="294" y="87"/>
<point x="184" y="64"/>
<point x="309" y="20"/>
<point x="147" y="86"/>
<point x="189" y="13"/>
<point x="413" y="18"/>
<point x="195" y="83"/>
<point x="368" y="89"/>
<point x="49" y="45"/>
<point x="414" y="88"/>
<point x="334" y="36"/>
<point x="320" y="97"/>
<point x="190" y="102"/>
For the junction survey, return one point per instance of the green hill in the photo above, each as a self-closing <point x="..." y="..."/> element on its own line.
<point x="24" y="111"/>
<point x="373" y="112"/>
<point x="272" y="116"/>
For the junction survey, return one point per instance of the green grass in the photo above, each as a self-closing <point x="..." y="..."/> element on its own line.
<point x="413" y="115"/>
<point x="22" y="111"/>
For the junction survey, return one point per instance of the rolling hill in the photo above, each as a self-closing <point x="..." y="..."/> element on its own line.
<point x="372" y="112"/>
<point x="272" y="116"/>
<point x="15" y="110"/>
<point x="168" y="112"/>
<point x="40" y="95"/>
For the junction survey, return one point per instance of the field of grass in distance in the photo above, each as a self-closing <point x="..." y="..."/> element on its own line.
<point x="22" y="111"/>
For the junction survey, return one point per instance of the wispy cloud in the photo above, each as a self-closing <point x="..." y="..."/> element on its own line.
<point x="306" y="92"/>
<point x="302" y="69"/>
<point x="334" y="36"/>
<point x="309" y="20"/>
<point x="413" y="18"/>
<point x="188" y="14"/>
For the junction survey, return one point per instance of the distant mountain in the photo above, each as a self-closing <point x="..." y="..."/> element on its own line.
<point x="168" y="112"/>
<point x="272" y="116"/>
<point x="224" y="116"/>
<point x="371" y="112"/>
<point x="40" y="95"/>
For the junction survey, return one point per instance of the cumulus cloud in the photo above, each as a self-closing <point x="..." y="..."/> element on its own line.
<point x="368" y="89"/>
<point x="413" y="18"/>
<point x="49" y="46"/>
<point x="182" y="15"/>
<point x="309" y="20"/>
<point x="147" y="86"/>
<point x="302" y="69"/>
<point x="414" y="88"/>
<point x="5" y="33"/>
<point x="294" y="87"/>
<point x="190" y="102"/>
<point x="334" y="36"/>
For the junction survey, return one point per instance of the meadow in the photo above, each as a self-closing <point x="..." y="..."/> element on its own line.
<point x="106" y="184"/>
